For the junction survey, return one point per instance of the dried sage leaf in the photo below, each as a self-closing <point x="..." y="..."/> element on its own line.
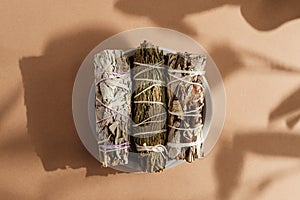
<point x="112" y="108"/>
<point x="185" y="104"/>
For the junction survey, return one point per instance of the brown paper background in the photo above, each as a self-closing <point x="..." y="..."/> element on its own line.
<point x="256" y="46"/>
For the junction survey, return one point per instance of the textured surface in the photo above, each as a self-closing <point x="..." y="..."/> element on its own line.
<point x="113" y="95"/>
<point x="149" y="105"/>
<point x="185" y="105"/>
<point x="256" y="46"/>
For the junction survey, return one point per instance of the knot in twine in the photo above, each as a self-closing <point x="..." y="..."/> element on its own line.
<point x="159" y="148"/>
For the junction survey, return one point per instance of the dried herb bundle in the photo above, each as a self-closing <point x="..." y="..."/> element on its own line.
<point x="113" y="97"/>
<point x="149" y="107"/>
<point x="185" y="105"/>
<point x="157" y="105"/>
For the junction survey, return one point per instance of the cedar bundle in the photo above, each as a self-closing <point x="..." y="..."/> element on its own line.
<point x="185" y="105"/>
<point x="149" y="107"/>
<point x="113" y="96"/>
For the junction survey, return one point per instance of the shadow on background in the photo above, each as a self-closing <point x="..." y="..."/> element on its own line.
<point x="48" y="83"/>
<point x="227" y="58"/>
<point x="289" y="108"/>
<point x="266" y="15"/>
<point x="231" y="59"/>
<point x="260" y="14"/>
<point x="6" y="104"/>
<point x="230" y="157"/>
<point x="229" y="161"/>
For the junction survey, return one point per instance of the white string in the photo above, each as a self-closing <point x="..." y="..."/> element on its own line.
<point x="187" y="129"/>
<point x="150" y="132"/>
<point x="148" y="88"/>
<point x="189" y="144"/>
<point x="109" y="116"/>
<point x="151" y="66"/>
<point x="187" y="113"/>
<point x="159" y="148"/>
<point x="151" y="102"/>
<point x="192" y="73"/>
<point x="144" y="121"/>
<point x="183" y="80"/>
<point x="151" y="80"/>
<point x="155" y="83"/>
<point x="104" y="105"/>
<point x="110" y="78"/>
<point x="104" y="145"/>
<point x="113" y="147"/>
<point x="117" y="75"/>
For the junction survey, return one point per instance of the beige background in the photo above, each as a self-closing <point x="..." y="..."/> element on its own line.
<point x="256" y="46"/>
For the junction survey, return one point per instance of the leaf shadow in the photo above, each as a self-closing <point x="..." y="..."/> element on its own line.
<point x="7" y="102"/>
<point x="230" y="59"/>
<point x="230" y="158"/>
<point x="48" y="82"/>
<point x="262" y="15"/>
<point x="289" y="106"/>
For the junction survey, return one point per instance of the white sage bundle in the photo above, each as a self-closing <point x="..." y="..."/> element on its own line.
<point x="113" y="106"/>
<point x="185" y="105"/>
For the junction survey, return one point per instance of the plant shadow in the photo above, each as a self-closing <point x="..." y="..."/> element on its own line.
<point x="48" y="82"/>
<point x="289" y="108"/>
<point x="260" y="14"/>
<point x="230" y="158"/>
<point x="230" y="59"/>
